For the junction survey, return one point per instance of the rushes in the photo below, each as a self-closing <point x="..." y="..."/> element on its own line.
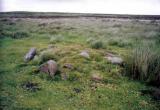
<point x="144" y="63"/>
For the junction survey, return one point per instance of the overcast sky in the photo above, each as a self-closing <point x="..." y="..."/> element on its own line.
<point x="151" y="7"/>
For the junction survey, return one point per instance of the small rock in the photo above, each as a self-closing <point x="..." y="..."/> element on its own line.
<point x="50" y="67"/>
<point x="30" y="55"/>
<point x="96" y="77"/>
<point x="84" y="54"/>
<point x="69" y="66"/>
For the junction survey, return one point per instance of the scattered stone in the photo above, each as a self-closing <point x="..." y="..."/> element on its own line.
<point x="84" y="54"/>
<point x="30" y="55"/>
<point x="114" y="59"/>
<point x="30" y="86"/>
<point x="96" y="77"/>
<point x="77" y="90"/>
<point x="69" y="66"/>
<point x="50" y="67"/>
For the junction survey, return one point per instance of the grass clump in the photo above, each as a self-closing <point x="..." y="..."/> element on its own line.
<point x="144" y="64"/>
<point x="47" y="55"/>
<point x="56" y="39"/>
<point x="20" y="34"/>
<point x="36" y="60"/>
<point x="119" y="43"/>
<point x="74" y="76"/>
<point x="97" y="44"/>
<point x="15" y="35"/>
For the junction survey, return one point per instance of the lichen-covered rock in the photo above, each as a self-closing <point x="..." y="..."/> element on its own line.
<point x="30" y="55"/>
<point x="50" y="67"/>
<point x="84" y="54"/>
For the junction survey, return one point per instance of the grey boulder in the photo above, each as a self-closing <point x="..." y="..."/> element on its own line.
<point x="30" y="55"/>
<point x="50" y="68"/>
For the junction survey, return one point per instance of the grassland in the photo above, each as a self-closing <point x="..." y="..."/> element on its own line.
<point x="68" y="37"/>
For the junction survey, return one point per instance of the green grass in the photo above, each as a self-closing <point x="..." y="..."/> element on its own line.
<point x="115" y="92"/>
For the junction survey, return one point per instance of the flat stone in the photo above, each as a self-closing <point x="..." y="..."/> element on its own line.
<point x="96" y="77"/>
<point x="84" y="54"/>
<point x="114" y="59"/>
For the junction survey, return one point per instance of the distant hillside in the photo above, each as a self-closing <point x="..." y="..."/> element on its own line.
<point x="69" y="15"/>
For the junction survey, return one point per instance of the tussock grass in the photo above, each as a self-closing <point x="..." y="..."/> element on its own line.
<point x="144" y="63"/>
<point x="120" y="42"/>
<point x="97" y="44"/>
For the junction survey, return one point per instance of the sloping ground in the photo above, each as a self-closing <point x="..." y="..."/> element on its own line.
<point x="23" y="88"/>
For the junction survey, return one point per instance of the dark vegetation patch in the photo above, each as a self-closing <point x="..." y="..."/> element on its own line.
<point x="30" y="86"/>
<point x="97" y="44"/>
<point x="14" y="35"/>
<point x="77" y="90"/>
<point x="154" y="93"/>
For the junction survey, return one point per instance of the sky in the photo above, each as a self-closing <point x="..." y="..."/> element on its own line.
<point x="143" y="7"/>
